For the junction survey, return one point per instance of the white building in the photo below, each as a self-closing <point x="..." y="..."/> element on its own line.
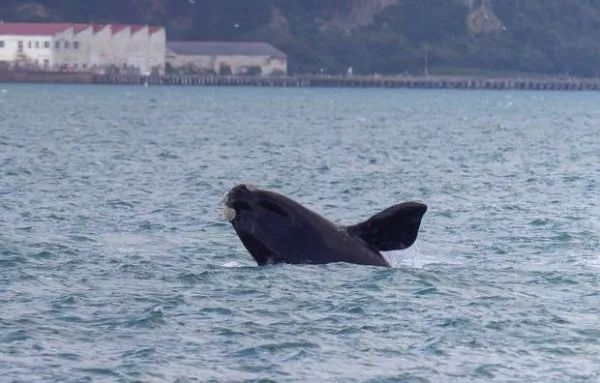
<point x="102" y="41"/>
<point x="232" y="57"/>
<point x="157" y="50"/>
<point x="83" y="47"/>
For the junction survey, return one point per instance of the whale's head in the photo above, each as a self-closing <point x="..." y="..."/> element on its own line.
<point x="265" y="221"/>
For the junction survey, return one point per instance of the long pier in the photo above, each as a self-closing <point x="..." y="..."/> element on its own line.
<point x="415" y="82"/>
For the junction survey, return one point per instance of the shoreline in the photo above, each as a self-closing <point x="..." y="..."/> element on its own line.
<point x="307" y="81"/>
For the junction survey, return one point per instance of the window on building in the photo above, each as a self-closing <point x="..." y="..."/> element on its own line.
<point x="67" y="45"/>
<point x="29" y="45"/>
<point x="46" y="44"/>
<point x="37" y="45"/>
<point x="47" y="62"/>
<point x="57" y="45"/>
<point x="1" y="43"/>
<point x="76" y="45"/>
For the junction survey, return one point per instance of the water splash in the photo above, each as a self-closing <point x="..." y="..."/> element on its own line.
<point x="410" y="257"/>
<point x="595" y="262"/>
<point x="233" y="264"/>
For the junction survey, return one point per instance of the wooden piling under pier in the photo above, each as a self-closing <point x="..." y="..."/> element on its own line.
<point x="460" y="83"/>
<point x="190" y="80"/>
<point x="430" y="82"/>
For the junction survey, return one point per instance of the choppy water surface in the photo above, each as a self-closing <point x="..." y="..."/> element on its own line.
<point x="116" y="266"/>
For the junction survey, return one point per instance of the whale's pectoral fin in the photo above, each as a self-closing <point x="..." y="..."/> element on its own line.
<point x="395" y="228"/>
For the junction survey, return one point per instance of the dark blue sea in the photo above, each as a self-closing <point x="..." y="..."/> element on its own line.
<point x="117" y="266"/>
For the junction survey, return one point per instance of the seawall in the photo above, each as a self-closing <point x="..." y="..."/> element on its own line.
<point x="47" y="77"/>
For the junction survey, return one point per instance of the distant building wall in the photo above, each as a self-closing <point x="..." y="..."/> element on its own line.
<point x="86" y="44"/>
<point x="8" y="48"/>
<point x="67" y="51"/>
<point x="74" y="51"/>
<point x="83" y="47"/>
<point x="119" y="44"/>
<point x="101" y="55"/>
<point x="241" y="64"/>
<point x="137" y="49"/>
<point x="157" y="49"/>
<point x="240" y="57"/>
<point x="180" y="62"/>
<point x="27" y="50"/>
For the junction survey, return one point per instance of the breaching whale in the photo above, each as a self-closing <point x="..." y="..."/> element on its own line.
<point x="275" y="229"/>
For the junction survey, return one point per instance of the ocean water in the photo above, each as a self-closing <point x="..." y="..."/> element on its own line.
<point x="116" y="265"/>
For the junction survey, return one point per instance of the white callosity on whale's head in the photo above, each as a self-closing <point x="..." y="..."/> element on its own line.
<point x="229" y="213"/>
<point x="250" y="187"/>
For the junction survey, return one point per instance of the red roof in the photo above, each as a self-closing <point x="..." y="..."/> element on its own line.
<point x="155" y="29"/>
<point x="136" y="28"/>
<point x="81" y="27"/>
<point x="48" y="29"/>
<point x="32" y="29"/>
<point x="116" y="28"/>
<point x="99" y="27"/>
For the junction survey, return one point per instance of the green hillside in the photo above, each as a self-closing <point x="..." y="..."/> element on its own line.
<point x="372" y="36"/>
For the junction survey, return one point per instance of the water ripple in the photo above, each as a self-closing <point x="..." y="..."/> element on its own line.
<point x="115" y="266"/>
